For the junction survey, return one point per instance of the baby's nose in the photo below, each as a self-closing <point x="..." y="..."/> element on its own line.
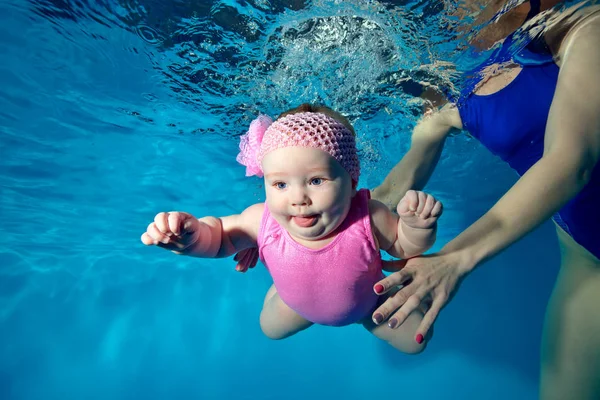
<point x="299" y="197"/>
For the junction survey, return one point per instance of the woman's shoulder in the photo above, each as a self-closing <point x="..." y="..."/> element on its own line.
<point x="439" y="122"/>
<point x="450" y="115"/>
<point x="569" y="25"/>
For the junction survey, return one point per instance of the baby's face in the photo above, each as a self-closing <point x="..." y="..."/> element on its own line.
<point x="308" y="191"/>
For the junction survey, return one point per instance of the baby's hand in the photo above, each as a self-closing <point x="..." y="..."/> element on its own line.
<point x="419" y="210"/>
<point x="175" y="231"/>
<point x="246" y="259"/>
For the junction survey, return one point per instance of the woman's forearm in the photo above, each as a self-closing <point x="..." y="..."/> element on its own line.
<point x="417" y="165"/>
<point x="571" y="152"/>
<point x="412" y="172"/>
<point x="540" y="192"/>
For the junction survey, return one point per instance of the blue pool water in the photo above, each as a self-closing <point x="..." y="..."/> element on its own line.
<point x="113" y="111"/>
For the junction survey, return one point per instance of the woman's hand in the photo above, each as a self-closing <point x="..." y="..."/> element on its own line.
<point x="429" y="280"/>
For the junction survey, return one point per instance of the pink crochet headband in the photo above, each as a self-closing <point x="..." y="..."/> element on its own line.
<point x="306" y="129"/>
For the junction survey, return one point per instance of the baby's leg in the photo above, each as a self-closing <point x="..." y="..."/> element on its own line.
<point x="403" y="337"/>
<point x="277" y="320"/>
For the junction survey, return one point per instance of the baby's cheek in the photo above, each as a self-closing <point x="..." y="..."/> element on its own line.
<point x="274" y="197"/>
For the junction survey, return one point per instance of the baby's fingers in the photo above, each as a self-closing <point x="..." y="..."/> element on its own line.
<point x="147" y="240"/>
<point x="422" y="202"/>
<point x="242" y="258"/>
<point x="161" y="221"/>
<point x="437" y="210"/>
<point x="246" y="259"/>
<point x="428" y="204"/>
<point x="154" y="236"/>
<point x="176" y="221"/>
<point x="408" y="203"/>
<point x="253" y="258"/>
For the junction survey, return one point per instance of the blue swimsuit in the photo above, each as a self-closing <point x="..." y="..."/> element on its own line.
<point x="511" y="123"/>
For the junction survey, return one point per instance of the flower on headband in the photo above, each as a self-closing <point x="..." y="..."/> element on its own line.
<point x="250" y="145"/>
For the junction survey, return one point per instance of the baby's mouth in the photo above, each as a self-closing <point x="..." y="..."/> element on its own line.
<point x="305" y="221"/>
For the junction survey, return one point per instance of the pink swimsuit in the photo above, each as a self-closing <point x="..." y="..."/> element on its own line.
<point x="332" y="285"/>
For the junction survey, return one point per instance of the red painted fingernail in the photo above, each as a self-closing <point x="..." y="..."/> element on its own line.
<point x="379" y="288"/>
<point x="419" y="338"/>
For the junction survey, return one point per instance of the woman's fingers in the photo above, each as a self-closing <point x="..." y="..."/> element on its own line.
<point x="432" y="278"/>
<point x="393" y="280"/>
<point x="393" y="303"/>
<point x="411" y="304"/>
<point x="438" y="303"/>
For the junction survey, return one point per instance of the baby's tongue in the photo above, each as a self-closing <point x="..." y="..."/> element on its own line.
<point x="305" y="222"/>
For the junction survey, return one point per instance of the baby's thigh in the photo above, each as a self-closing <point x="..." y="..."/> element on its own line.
<point x="401" y="338"/>
<point x="277" y="320"/>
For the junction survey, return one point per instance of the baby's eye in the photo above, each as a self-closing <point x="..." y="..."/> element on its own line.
<point x="316" y="181"/>
<point x="280" y="185"/>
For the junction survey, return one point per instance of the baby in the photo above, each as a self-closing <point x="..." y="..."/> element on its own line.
<point x="318" y="236"/>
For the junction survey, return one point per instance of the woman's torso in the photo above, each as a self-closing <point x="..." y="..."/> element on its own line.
<point x="508" y="109"/>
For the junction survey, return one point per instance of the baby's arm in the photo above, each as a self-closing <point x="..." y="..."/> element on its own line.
<point x="207" y="237"/>
<point x="413" y="230"/>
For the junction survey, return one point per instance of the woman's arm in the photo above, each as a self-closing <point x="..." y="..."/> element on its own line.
<point x="417" y="165"/>
<point x="571" y="151"/>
